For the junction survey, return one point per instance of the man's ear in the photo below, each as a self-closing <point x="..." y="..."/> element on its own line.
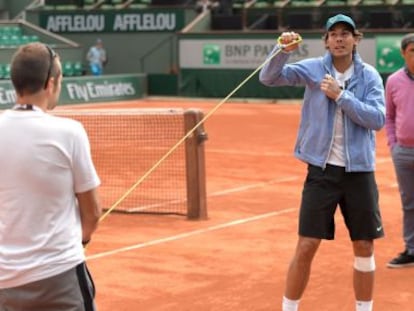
<point x="51" y="85"/>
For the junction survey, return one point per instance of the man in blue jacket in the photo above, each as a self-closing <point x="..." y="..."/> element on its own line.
<point x="343" y="106"/>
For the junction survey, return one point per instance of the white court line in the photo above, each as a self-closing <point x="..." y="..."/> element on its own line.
<point x="215" y="194"/>
<point x="381" y="160"/>
<point x="191" y="233"/>
<point x="252" y="186"/>
<point x="249" y="153"/>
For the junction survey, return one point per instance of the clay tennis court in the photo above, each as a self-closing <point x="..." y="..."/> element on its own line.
<point x="236" y="260"/>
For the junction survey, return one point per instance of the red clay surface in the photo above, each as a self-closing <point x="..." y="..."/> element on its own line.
<point x="237" y="259"/>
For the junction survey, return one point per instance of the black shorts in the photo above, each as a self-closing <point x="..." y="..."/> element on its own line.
<point x="356" y="194"/>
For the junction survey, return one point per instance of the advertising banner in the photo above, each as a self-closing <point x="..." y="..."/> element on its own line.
<point x="112" y="21"/>
<point x="250" y="53"/>
<point x="88" y="89"/>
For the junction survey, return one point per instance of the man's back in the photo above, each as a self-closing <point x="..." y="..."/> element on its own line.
<point x="40" y="173"/>
<point x="48" y="193"/>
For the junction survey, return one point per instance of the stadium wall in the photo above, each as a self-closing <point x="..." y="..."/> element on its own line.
<point x="196" y="62"/>
<point x="136" y="40"/>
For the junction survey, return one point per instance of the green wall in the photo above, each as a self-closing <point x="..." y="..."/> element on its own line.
<point x="14" y="7"/>
<point x="220" y="83"/>
<point x="157" y="52"/>
<point x="128" y="51"/>
<point x="131" y="53"/>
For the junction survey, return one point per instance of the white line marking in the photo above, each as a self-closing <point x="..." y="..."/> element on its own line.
<point x="249" y="153"/>
<point x="191" y="233"/>
<point x="381" y="160"/>
<point x="155" y="205"/>
<point x="214" y="194"/>
<point x="252" y="186"/>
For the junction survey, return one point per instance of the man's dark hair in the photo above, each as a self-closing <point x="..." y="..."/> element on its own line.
<point x="32" y="66"/>
<point x="406" y="40"/>
<point x="355" y="32"/>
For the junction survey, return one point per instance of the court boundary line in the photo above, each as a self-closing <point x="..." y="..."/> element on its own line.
<point x="252" y="186"/>
<point x="216" y="193"/>
<point x="190" y="233"/>
<point x="248" y="153"/>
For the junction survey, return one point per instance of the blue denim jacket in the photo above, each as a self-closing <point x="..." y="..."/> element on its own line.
<point x="362" y="103"/>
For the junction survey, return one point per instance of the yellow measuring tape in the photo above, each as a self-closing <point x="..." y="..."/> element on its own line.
<point x="214" y="109"/>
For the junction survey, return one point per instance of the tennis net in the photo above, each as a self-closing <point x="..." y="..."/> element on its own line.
<point x="127" y="144"/>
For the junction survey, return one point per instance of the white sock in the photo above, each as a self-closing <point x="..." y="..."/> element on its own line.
<point x="290" y="305"/>
<point x="364" y="305"/>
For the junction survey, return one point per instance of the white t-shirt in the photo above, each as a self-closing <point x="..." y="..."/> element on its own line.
<point x="44" y="161"/>
<point x="337" y="155"/>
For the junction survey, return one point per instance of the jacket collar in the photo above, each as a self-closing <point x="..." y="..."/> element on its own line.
<point x="328" y="64"/>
